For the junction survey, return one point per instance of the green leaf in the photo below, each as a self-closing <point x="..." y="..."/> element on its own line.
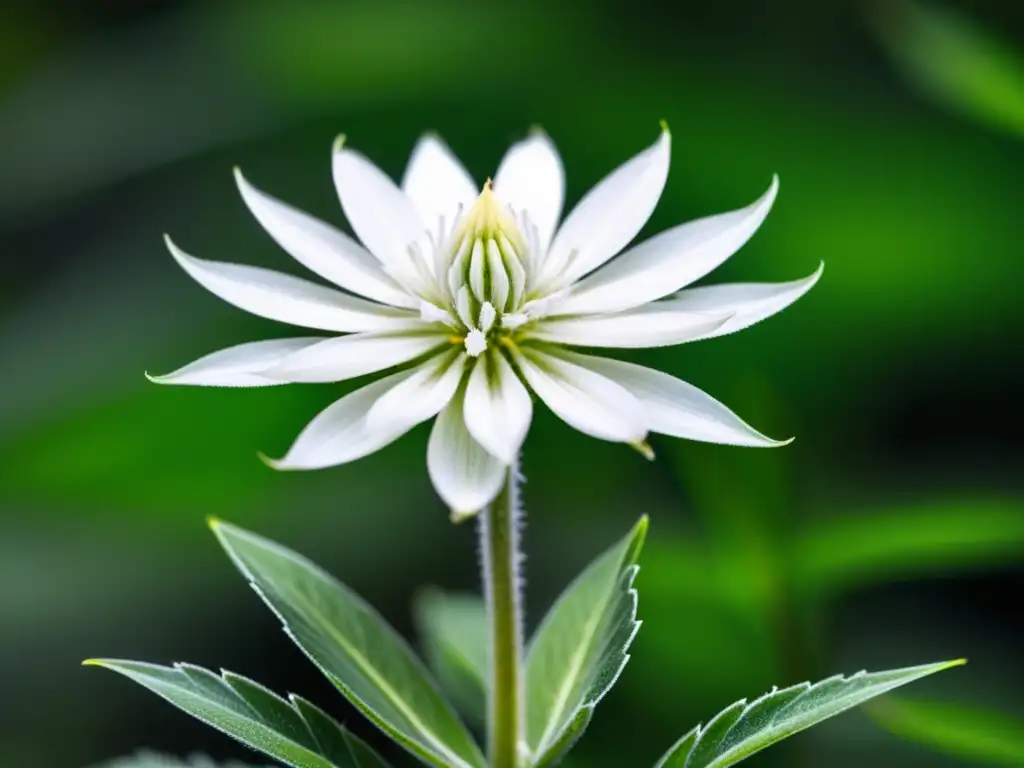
<point x="956" y="62"/>
<point x="742" y="729"/>
<point x="295" y="732"/>
<point x="567" y="740"/>
<point x="454" y="631"/>
<point x="581" y="648"/>
<point x="967" y="733"/>
<point x="355" y="648"/>
<point x="842" y="552"/>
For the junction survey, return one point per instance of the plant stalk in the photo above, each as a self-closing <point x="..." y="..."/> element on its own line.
<point x="499" y="546"/>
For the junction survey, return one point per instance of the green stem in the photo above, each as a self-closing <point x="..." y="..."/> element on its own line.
<point x="499" y="545"/>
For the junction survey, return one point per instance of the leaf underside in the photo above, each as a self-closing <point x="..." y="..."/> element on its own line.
<point x="742" y="729"/>
<point x="364" y="658"/>
<point x="580" y="649"/>
<point x="293" y="731"/>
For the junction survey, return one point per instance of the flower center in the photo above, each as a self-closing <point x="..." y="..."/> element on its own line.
<point x="487" y="271"/>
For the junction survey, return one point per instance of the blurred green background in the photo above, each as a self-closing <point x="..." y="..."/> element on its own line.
<point x="890" y="533"/>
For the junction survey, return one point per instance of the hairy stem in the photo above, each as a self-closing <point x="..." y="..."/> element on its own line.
<point x="499" y="546"/>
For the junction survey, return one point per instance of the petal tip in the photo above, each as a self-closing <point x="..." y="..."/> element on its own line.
<point x="275" y="464"/>
<point x="643" y="448"/>
<point x="458" y="516"/>
<point x="339" y="143"/>
<point x="664" y="128"/>
<point x="179" y="255"/>
<point x="160" y="379"/>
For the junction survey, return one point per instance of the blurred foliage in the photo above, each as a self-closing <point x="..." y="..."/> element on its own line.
<point x="970" y="69"/>
<point x="888" y="532"/>
<point x="453" y="631"/>
<point x="979" y="736"/>
<point x="153" y="760"/>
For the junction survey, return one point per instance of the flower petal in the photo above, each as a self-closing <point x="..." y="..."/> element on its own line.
<point x="289" y="299"/>
<point x="673" y="407"/>
<point x="667" y="262"/>
<point x="465" y="475"/>
<point x="237" y="366"/>
<point x="346" y="357"/>
<point x="749" y="303"/>
<point x="340" y="434"/>
<point x="587" y="401"/>
<point x="609" y="216"/>
<point x="497" y="408"/>
<point x="649" y="326"/>
<point x="422" y="394"/>
<point x="323" y="249"/>
<point x="531" y="178"/>
<point x="381" y="214"/>
<point x="437" y="183"/>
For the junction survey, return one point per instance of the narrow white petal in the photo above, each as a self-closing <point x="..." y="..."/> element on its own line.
<point x="500" y="286"/>
<point x="608" y="218"/>
<point x="497" y="408"/>
<point x="323" y="249"/>
<point x="237" y="366"/>
<point x="667" y="262"/>
<point x="464" y="307"/>
<point x="477" y="263"/>
<point x="346" y="357"/>
<point x="421" y="395"/>
<point x="487" y="316"/>
<point x="516" y="270"/>
<point x="382" y="215"/>
<point x="749" y="303"/>
<point x="431" y="313"/>
<point x="437" y="183"/>
<point x="340" y="434"/>
<point x="673" y="407"/>
<point x="530" y="178"/>
<point x="465" y="475"/>
<point x="292" y="300"/>
<point x="649" y="326"/>
<point x="587" y="401"/>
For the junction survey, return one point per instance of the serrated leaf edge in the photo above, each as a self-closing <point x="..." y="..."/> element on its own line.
<point x="695" y="735"/>
<point x="551" y="736"/>
<point x="444" y="757"/>
<point x="114" y="665"/>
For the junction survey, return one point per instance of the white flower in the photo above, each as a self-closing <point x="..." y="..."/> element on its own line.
<point x="470" y="298"/>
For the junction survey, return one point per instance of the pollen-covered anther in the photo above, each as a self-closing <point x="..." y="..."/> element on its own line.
<point x="476" y="343"/>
